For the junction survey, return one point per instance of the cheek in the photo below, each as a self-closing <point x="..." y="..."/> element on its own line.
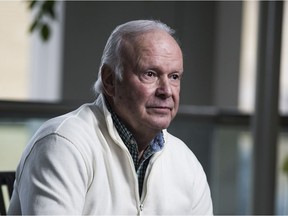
<point x="131" y="97"/>
<point x="140" y="92"/>
<point x="176" y="93"/>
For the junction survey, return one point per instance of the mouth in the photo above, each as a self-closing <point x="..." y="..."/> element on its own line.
<point x="160" y="109"/>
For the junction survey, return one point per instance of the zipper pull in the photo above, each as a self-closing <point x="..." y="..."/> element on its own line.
<point x="141" y="207"/>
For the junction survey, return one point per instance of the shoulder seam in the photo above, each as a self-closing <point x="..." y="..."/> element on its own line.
<point x="50" y="134"/>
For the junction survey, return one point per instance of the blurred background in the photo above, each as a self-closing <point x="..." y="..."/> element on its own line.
<point x="234" y="97"/>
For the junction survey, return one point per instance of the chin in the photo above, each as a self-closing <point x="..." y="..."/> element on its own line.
<point x="158" y="123"/>
<point x="162" y="126"/>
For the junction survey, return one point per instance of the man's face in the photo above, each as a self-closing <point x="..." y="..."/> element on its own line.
<point x="147" y="98"/>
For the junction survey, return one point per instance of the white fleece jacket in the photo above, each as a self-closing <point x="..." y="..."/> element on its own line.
<point x="78" y="164"/>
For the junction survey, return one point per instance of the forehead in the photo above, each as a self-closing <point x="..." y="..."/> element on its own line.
<point x="155" y="47"/>
<point x="157" y="40"/>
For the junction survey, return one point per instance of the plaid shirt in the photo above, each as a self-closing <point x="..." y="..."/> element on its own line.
<point x="140" y="164"/>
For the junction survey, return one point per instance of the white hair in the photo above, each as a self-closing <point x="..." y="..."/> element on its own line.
<point x="112" y="52"/>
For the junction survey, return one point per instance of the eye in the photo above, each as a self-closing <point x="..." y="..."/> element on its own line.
<point x="175" y="76"/>
<point x="149" y="76"/>
<point x="150" y="73"/>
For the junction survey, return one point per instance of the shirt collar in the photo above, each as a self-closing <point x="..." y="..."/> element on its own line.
<point x="156" y="144"/>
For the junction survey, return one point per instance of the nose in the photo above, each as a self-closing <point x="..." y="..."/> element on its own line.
<point x="164" y="89"/>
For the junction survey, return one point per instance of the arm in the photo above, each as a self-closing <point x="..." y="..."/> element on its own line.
<point x="202" y="195"/>
<point x="54" y="178"/>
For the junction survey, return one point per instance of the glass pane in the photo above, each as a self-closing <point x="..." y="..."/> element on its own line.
<point x="282" y="157"/>
<point x="14" y="136"/>
<point x="225" y="153"/>
<point x="284" y="63"/>
<point x="14" y="45"/>
<point x="282" y="176"/>
<point x="231" y="167"/>
<point x="248" y="56"/>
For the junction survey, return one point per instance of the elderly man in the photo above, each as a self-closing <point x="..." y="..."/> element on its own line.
<point x="114" y="156"/>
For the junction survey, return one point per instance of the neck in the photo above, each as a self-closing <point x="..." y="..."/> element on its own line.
<point x="144" y="139"/>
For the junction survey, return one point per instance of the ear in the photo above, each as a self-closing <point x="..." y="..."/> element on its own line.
<point x="108" y="80"/>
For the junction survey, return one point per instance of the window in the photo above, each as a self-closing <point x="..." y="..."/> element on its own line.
<point x="14" y="50"/>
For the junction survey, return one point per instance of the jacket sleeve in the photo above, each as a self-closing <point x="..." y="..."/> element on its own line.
<point x="54" y="178"/>
<point x="202" y="202"/>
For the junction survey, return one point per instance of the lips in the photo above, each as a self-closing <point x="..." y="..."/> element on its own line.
<point x="160" y="109"/>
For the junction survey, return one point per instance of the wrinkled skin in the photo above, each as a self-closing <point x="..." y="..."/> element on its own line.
<point x="147" y="98"/>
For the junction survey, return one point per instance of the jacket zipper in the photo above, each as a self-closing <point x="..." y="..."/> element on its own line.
<point x="140" y="201"/>
<point x="145" y="183"/>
